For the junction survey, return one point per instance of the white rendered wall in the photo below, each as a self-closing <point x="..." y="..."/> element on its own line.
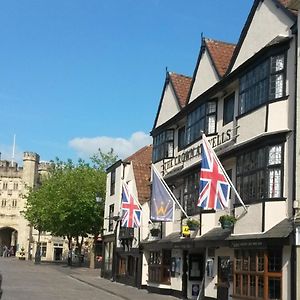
<point x="270" y="20"/>
<point x="274" y="213"/>
<point x="206" y="77"/>
<point x="251" y="222"/>
<point x="169" y="106"/>
<point x="210" y="282"/>
<point x="248" y="128"/>
<point x="278" y="116"/>
<point x="286" y="273"/>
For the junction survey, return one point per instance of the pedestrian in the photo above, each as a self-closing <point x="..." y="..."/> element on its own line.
<point x="5" y="249"/>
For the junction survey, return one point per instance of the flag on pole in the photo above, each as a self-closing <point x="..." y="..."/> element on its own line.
<point x="214" y="184"/>
<point x="131" y="212"/>
<point x="162" y="203"/>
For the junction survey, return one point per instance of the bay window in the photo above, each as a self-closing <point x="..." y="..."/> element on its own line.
<point x="263" y="83"/>
<point x="259" y="174"/>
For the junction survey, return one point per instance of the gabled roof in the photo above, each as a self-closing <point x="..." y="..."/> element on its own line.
<point x="181" y="85"/>
<point x="283" y="4"/>
<point x="141" y="162"/>
<point x="220" y="53"/>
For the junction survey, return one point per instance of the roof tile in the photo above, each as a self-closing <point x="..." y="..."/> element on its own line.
<point x="181" y="84"/>
<point x="221" y="54"/>
<point x="141" y="161"/>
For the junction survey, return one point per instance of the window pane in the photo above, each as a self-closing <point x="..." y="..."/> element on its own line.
<point x="275" y="261"/>
<point x="277" y="63"/>
<point x="274" y="288"/>
<point x="245" y="285"/>
<point x="260" y="262"/>
<point x="211" y="107"/>
<point x="228" y="109"/>
<point x="252" y="286"/>
<point x="260" y="290"/>
<point x="181" y="138"/>
<point x="238" y="284"/>
<point x="274" y="183"/>
<point x="211" y="128"/>
<point x="275" y="155"/>
<point x="276" y="90"/>
<point x="253" y="261"/>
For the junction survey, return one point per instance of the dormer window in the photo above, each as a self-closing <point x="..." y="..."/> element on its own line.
<point x="263" y="83"/>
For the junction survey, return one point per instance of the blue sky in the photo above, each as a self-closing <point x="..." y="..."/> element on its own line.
<point x="76" y="75"/>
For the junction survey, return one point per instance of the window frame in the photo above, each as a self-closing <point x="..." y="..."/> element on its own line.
<point x="110" y="217"/>
<point x="259" y="174"/>
<point x="162" y="143"/>
<point x="226" y="102"/>
<point x="267" y="97"/>
<point x="191" y="193"/>
<point x="181" y="138"/>
<point x="243" y="268"/>
<point x="159" y="266"/>
<point x="112" y="182"/>
<point x="194" y="119"/>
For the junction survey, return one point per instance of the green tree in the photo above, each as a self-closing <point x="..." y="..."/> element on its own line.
<point x="65" y="203"/>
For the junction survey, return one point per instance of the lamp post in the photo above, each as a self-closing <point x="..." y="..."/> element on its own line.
<point x="117" y="219"/>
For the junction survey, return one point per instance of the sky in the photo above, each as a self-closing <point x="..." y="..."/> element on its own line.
<point x="78" y="75"/>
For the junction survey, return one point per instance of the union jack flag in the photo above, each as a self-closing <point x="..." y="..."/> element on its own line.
<point x="214" y="186"/>
<point x="131" y="212"/>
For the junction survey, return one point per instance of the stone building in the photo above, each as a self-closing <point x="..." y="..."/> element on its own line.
<point x="15" y="231"/>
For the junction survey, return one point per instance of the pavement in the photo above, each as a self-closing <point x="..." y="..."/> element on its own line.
<point x="92" y="278"/>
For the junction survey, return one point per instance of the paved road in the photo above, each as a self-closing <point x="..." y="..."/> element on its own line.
<point x="23" y="280"/>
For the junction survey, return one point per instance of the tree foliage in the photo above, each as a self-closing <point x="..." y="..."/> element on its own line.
<point x="65" y="203"/>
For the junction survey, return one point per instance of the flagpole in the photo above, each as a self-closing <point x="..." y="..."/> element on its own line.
<point x="225" y="173"/>
<point x="169" y="191"/>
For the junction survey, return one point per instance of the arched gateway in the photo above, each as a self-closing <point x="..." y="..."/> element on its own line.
<point x="9" y="240"/>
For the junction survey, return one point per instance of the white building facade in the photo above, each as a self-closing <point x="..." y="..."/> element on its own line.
<point x="246" y="106"/>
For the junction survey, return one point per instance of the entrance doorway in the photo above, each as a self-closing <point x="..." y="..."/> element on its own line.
<point x="8" y="241"/>
<point x="58" y="253"/>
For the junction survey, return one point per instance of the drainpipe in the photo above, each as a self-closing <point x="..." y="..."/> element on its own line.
<point x="295" y="257"/>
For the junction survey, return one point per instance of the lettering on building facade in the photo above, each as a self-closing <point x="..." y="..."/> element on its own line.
<point x="194" y="152"/>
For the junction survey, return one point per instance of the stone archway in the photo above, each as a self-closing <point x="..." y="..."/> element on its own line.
<point x="8" y="238"/>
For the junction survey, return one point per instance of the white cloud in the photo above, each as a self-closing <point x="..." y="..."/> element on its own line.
<point x="85" y="147"/>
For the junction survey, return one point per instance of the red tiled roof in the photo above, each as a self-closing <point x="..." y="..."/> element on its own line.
<point x="221" y="54"/>
<point x="141" y="161"/>
<point x="181" y="84"/>
<point x="286" y="3"/>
